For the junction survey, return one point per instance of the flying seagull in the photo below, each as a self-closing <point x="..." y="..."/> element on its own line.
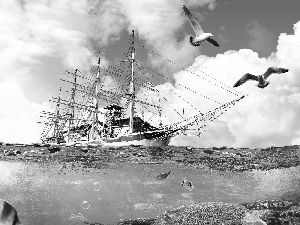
<point x="262" y="83"/>
<point x="200" y="35"/>
<point x="163" y="176"/>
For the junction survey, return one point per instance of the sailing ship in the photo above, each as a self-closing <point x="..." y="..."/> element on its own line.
<point x="120" y="124"/>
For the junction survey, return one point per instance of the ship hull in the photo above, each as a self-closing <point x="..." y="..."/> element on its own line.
<point x="152" y="138"/>
<point x="143" y="142"/>
<point x="117" y="143"/>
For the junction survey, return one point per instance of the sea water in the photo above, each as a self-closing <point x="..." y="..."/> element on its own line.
<point x="44" y="194"/>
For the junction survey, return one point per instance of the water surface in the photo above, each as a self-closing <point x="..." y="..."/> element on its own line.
<point x="43" y="194"/>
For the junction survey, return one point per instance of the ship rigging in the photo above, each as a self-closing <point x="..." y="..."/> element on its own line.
<point x="101" y="112"/>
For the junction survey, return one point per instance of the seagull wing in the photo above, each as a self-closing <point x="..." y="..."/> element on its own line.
<point x="212" y="41"/>
<point x="271" y="70"/>
<point x="244" y="78"/>
<point x="195" y="24"/>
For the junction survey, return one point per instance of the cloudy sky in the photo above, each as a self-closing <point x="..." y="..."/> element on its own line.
<point x="40" y="40"/>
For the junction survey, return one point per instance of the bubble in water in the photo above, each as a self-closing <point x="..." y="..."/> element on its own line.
<point x="97" y="186"/>
<point x="85" y="205"/>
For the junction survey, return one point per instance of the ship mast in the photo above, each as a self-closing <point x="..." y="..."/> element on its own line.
<point x="72" y="105"/>
<point x="56" y="122"/>
<point x="131" y="90"/>
<point x="96" y="107"/>
<point x="73" y="95"/>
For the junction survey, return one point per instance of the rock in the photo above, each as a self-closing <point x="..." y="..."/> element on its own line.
<point x="292" y="196"/>
<point x="139" y="221"/>
<point x="204" y="213"/>
<point x="269" y="204"/>
<point x="278" y="212"/>
<point x="252" y="219"/>
<point x="208" y="151"/>
<point x="53" y="149"/>
<point x="85" y="150"/>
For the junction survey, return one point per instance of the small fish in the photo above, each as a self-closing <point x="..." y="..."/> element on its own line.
<point x="188" y="185"/>
<point x="163" y="176"/>
<point x="8" y="214"/>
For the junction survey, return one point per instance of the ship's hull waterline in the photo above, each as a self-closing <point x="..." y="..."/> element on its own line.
<point x="143" y="142"/>
<point x="153" y="138"/>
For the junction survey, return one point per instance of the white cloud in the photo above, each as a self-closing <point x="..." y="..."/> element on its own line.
<point x="38" y="41"/>
<point x="267" y="116"/>
<point x="158" y="22"/>
<point x="18" y="116"/>
<point x="35" y="30"/>
<point x="288" y="49"/>
<point x="296" y="140"/>
<point x="38" y="38"/>
<point x="107" y="20"/>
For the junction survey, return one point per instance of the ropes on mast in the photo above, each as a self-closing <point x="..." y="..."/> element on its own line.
<point x="115" y="95"/>
<point x="174" y="91"/>
<point x="184" y="86"/>
<point x="186" y="69"/>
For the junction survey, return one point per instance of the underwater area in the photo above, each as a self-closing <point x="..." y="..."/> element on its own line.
<point x="77" y="185"/>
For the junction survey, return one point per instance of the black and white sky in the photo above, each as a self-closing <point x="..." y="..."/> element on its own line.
<point x="39" y="40"/>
